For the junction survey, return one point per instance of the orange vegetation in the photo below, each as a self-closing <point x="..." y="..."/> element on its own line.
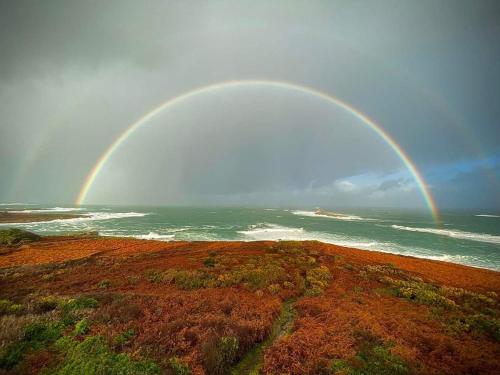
<point x="206" y="304"/>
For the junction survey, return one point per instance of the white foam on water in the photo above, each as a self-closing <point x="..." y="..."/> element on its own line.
<point x="149" y="236"/>
<point x="44" y="210"/>
<point x="485" y="215"/>
<point x="264" y="231"/>
<point x="333" y="216"/>
<point x="273" y="232"/>
<point x="481" y="237"/>
<point x="18" y="204"/>
<point x="90" y="216"/>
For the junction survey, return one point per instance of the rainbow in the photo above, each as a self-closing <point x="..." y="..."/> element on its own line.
<point x="371" y="124"/>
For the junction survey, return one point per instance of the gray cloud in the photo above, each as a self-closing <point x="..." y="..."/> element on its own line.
<point x="74" y="75"/>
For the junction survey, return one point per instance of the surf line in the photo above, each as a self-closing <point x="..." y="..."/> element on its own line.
<point x="209" y="89"/>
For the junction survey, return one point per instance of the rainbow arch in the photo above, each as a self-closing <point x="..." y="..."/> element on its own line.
<point x="367" y="121"/>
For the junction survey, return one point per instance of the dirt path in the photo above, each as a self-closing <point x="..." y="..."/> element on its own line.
<point x="253" y="360"/>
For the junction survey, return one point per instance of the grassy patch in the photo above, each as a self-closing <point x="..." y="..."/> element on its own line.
<point x="176" y="366"/>
<point x="419" y="292"/>
<point x="36" y="336"/>
<point x="373" y="357"/>
<point x="92" y="356"/>
<point x="9" y="308"/>
<point x="252" y="361"/>
<point x="16" y="237"/>
<point x="317" y="279"/>
<point x="104" y="284"/>
<point x="82" y="327"/>
<point x="219" y="353"/>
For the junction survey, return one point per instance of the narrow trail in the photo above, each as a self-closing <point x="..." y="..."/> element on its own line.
<point x="252" y="362"/>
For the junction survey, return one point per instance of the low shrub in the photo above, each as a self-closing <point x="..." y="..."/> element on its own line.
<point x="46" y="304"/>
<point x="218" y="354"/>
<point x="209" y="262"/>
<point x="388" y="269"/>
<point x="490" y="326"/>
<point x="317" y="279"/>
<point x="419" y="292"/>
<point x="81" y="302"/>
<point x="93" y="357"/>
<point x="175" y="366"/>
<point x="373" y="356"/>
<point x="133" y="279"/>
<point x="274" y="288"/>
<point x="36" y="336"/>
<point x="479" y="323"/>
<point x="189" y="279"/>
<point x="124" y="338"/>
<point x="82" y="327"/>
<point x="49" y="277"/>
<point x="104" y="284"/>
<point x="9" y="308"/>
<point x="16" y="237"/>
<point x="314" y="291"/>
<point x="154" y="276"/>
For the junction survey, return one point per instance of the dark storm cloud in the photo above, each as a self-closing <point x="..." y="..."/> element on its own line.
<point x="73" y="75"/>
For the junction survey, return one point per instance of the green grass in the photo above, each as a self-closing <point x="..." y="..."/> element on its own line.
<point x="36" y="336"/>
<point x="373" y="357"/>
<point x="282" y="326"/>
<point x="9" y="308"/>
<point x="92" y="356"/>
<point x="16" y="237"/>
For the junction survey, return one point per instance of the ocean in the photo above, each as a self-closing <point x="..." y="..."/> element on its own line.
<point x="471" y="238"/>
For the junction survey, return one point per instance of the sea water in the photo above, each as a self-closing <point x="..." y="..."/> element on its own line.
<point x="471" y="238"/>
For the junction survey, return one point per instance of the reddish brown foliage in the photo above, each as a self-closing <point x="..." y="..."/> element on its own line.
<point x="170" y="322"/>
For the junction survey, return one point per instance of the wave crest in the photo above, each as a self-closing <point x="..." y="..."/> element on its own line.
<point x="481" y="237"/>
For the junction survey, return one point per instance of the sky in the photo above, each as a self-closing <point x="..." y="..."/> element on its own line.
<point x="75" y="75"/>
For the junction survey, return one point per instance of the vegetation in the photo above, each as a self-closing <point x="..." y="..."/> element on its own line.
<point x="93" y="357"/>
<point x="104" y="284"/>
<point x="36" y="336"/>
<point x="219" y="353"/>
<point x="373" y="357"/>
<point x="7" y="307"/>
<point x="420" y="292"/>
<point x="16" y="237"/>
<point x="176" y="366"/>
<point x="246" y="308"/>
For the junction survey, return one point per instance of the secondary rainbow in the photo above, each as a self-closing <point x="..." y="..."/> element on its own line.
<point x="367" y="121"/>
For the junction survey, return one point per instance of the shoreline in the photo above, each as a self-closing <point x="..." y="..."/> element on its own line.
<point x="63" y="248"/>
<point x="7" y="217"/>
<point x="283" y="307"/>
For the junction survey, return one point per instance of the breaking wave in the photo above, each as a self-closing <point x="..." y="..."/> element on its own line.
<point x="44" y="210"/>
<point x="485" y="215"/>
<point x="91" y="216"/>
<point x="334" y="217"/>
<point x="18" y="204"/>
<point x="149" y="236"/>
<point x="273" y="232"/>
<point x="481" y="237"/>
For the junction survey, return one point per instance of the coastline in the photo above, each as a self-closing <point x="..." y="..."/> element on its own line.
<point x="259" y="307"/>
<point x="54" y="249"/>
<point x="7" y="217"/>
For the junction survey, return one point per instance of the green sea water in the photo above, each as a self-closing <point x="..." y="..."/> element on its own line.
<point x="471" y="238"/>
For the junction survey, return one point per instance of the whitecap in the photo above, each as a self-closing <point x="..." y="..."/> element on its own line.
<point x="45" y="210"/>
<point x="149" y="236"/>
<point x="90" y="216"/>
<point x="332" y="216"/>
<point x="481" y="237"/>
